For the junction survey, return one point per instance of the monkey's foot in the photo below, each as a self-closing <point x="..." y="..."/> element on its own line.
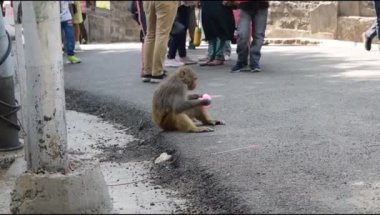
<point x="215" y="122"/>
<point x="204" y="129"/>
<point x="219" y="122"/>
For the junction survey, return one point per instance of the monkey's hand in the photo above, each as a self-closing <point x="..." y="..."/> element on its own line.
<point x="205" y="102"/>
<point x="219" y="122"/>
<point x="193" y="96"/>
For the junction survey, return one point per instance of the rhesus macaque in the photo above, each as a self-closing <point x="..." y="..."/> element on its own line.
<point x="174" y="109"/>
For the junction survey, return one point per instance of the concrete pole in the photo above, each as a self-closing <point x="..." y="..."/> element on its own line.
<point x="55" y="187"/>
<point x="20" y="62"/>
<point x="8" y="108"/>
<point x="45" y="98"/>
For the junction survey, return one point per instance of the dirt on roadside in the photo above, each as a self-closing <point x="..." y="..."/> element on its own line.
<point x="185" y="176"/>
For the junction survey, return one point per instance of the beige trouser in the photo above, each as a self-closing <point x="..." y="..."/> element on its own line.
<point x="160" y="17"/>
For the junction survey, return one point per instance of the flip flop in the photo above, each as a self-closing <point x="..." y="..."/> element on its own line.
<point x="207" y="63"/>
<point x="216" y="63"/>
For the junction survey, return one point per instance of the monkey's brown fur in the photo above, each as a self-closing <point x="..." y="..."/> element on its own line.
<point x="173" y="109"/>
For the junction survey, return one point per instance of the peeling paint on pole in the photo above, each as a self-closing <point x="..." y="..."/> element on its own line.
<point x="46" y="123"/>
<point x="20" y="61"/>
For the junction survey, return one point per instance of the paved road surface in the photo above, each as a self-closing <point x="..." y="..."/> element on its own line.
<point x="302" y="136"/>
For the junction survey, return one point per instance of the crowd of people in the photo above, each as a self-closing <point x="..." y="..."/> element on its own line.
<point x="72" y="16"/>
<point x="165" y="25"/>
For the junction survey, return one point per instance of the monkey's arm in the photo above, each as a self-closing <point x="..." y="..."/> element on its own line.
<point x="181" y="105"/>
<point x="193" y="96"/>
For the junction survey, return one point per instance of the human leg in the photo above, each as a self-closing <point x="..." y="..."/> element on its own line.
<point x="211" y="45"/>
<point x="218" y="53"/>
<point x="210" y="51"/>
<point x="243" y="39"/>
<point x="178" y="42"/>
<point x="183" y="18"/>
<point x="77" y="35"/>
<point x="149" y="41"/>
<point x="83" y="31"/>
<point x="192" y="25"/>
<point x="374" y="29"/>
<point x="77" y="20"/>
<point x="376" y="4"/>
<point x="165" y="12"/>
<point x="227" y="50"/>
<point x="67" y="27"/>
<point x="259" y="23"/>
<point x="371" y="32"/>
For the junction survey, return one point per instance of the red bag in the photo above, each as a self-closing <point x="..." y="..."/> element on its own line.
<point x="234" y="2"/>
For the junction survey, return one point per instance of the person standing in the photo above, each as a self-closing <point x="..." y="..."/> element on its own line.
<point x="374" y="29"/>
<point x="192" y="25"/>
<point x="83" y="32"/>
<point x="227" y="50"/>
<point x="257" y="13"/>
<point x="218" y="25"/>
<point x="68" y="29"/>
<point x="77" y="20"/>
<point x="160" y="17"/>
<point x="178" y="42"/>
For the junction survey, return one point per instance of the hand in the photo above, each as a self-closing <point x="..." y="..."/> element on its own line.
<point x="228" y="3"/>
<point x="205" y="102"/>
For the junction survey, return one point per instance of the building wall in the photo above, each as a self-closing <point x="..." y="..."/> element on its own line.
<point x="342" y="20"/>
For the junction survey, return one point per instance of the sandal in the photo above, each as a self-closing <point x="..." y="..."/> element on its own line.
<point x="215" y="63"/>
<point x="207" y="63"/>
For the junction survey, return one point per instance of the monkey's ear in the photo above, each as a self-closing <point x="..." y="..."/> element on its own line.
<point x="182" y="73"/>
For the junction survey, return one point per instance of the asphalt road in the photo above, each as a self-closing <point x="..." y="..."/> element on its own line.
<point x="303" y="136"/>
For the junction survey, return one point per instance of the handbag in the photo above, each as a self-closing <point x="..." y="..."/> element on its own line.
<point x="177" y="28"/>
<point x="197" y="32"/>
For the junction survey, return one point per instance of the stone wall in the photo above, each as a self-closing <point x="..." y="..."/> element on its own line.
<point x="342" y="20"/>
<point x="114" y="25"/>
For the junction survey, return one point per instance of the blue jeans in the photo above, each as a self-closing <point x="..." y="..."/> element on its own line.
<point x="375" y="28"/>
<point x="216" y="48"/>
<point x="178" y="42"/>
<point x="227" y="48"/>
<point x="68" y="29"/>
<point x="259" y="24"/>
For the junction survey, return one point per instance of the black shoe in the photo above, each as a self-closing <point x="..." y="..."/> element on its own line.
<point x="367" y="42"/>
<point x="146" y="78"/>
<point x="255" y="68"/>
<point x="239" y="67"/>
<point x="191" y="46"/>
<point x="158" y="79"/>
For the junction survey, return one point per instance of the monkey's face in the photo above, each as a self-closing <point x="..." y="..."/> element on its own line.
<point x="189" y="77"/>
<point x="193" y="84"/>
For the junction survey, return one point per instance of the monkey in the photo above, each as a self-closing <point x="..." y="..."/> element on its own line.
<point x="174" y="109"/>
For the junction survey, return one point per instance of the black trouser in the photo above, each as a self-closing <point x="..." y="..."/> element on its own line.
<point x="83" y="32"/>
<point x="2" y="9"/>
<point x="178" y="42"/>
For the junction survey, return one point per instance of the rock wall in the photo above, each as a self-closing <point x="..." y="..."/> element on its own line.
<point x="114" y="25"/>
<point x="342" y="20"/>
